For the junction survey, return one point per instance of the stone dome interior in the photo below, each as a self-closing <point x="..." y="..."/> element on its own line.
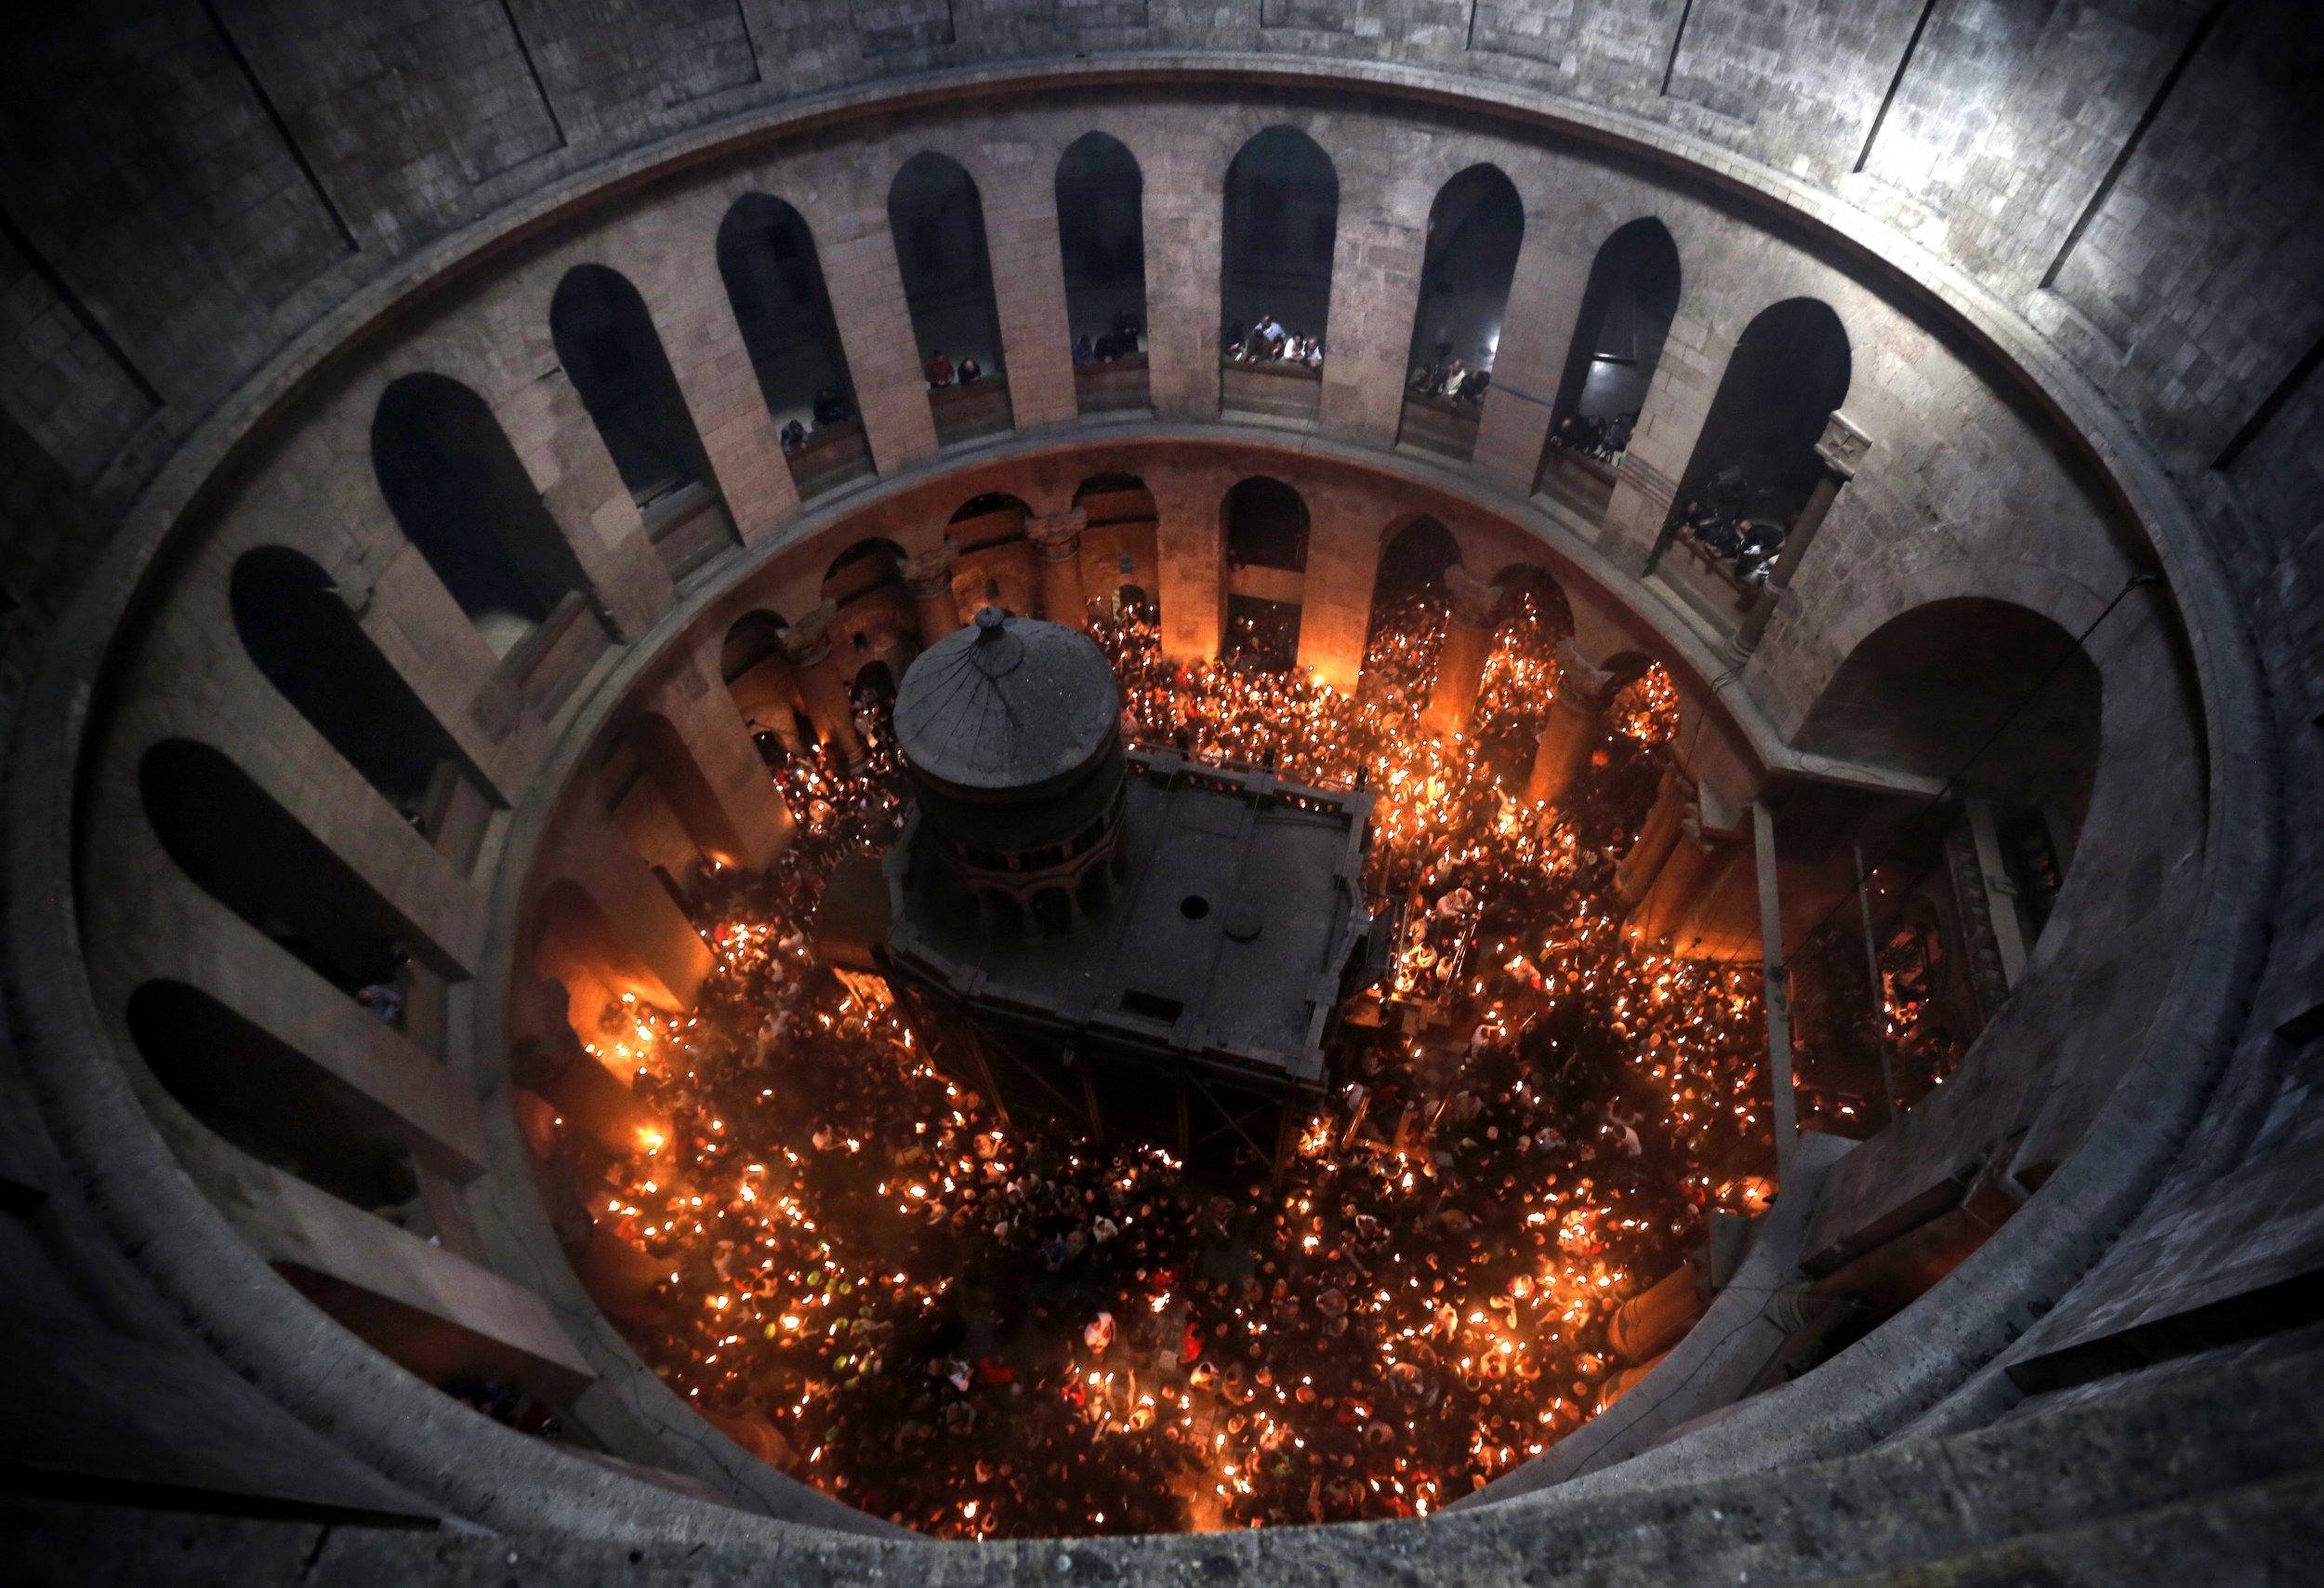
<point x="1696" y="953"/>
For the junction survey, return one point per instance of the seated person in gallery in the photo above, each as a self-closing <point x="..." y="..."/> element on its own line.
<point x="970" y="372"/>
<point x="938" y="369"/>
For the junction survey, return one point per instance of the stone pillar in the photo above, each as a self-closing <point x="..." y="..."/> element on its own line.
<point x="1577" y="722"/>
<point x="1191" y="556"/>
<point x="1841" y="450"/>
<point x="1638" y="869"/>
<point x="1057" y="542"/>
<point x="745" y="805"/>
<point x="808" y="644"/>
<point x="1669" y="425"/>
<point x="565" y="458"/>
<point x="1460" y="661"/>
<point x="1670" y="898"/>
<point x="1549" y="283"/>
<point x="927" y="574"/>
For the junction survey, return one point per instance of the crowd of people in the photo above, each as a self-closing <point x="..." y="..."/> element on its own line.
<point x="1733" y="524"/>
<point x="1449" y="378"/>
<point x="904" y="1300"/>
<point x="1603" y="436"/>
<point x="1266" y="341"/>
<point x="830" y="409"/>
<point x="941" y="371"/>
<point x="1123" y="339"/>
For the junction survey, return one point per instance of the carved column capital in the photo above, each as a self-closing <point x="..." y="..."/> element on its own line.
<point x="1582" y="684"/>
<point x="1057" y="536"/>
<point x="1841" y="446"/>
<point x="927" y="573"/>
<point x="1473" y="601"/>
<point x="808" y="641"/>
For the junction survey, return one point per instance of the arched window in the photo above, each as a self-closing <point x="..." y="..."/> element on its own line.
<point x="1409" y="605"/>
<point x="1626" y="311"/>
<point x="606" y="340"/>
<point x="1755" y="465"/>
<point x="236" y="844"/>
<point x="464" y="499"/>
<point x="938" y="222"/>
<point x="782" y="307"/>
<point x="1101" y="232"/>
<point x="301" y="636"/>
<point x="1475" y="229"/>
<point x="1282" y="220"/>
<point x="1266" y="524"/>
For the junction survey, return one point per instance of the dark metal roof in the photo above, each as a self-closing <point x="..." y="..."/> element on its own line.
<point x="1242" y="907"/>
<point x="1006" y="703"/>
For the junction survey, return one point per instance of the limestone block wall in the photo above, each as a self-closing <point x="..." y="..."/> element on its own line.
<point x="1971" y="487"/>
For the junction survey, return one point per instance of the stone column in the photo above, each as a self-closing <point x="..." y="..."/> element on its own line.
<point x="1057" y="542"/>
<point x="752" y="813"/>
<point x="808" y="644"/>
<point x="1191" y="556"/>
<point x="1670" y="898"/>
<point x="1577" y="722"/>
<point x="927" y="574"/>
<point x="1461" y="662"/>
<point x="1638" y="869"/>
<point x="1841" y="451"/>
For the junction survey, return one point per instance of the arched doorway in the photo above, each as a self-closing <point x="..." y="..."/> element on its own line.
<point x="606" y="342"/>
<point x="1265" y="526"/>
<point x="1755" y="465"/>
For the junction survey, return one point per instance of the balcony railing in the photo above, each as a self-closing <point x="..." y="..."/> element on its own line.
<point x="829" y="458"/>
<point x="965" y="413"/>
<point x="1439" y="424"/>
<point x="1274" y="389"/>
<point x="1117" y="385"/>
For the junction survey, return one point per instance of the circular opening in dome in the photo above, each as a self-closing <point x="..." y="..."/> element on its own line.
<point x="1194" y="906"/>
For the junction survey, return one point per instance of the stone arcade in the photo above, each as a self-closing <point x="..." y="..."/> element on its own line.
<point x="1807" y="510"/>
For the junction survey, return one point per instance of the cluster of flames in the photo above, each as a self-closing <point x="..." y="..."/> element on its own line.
<point x="815" y="1160"/>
